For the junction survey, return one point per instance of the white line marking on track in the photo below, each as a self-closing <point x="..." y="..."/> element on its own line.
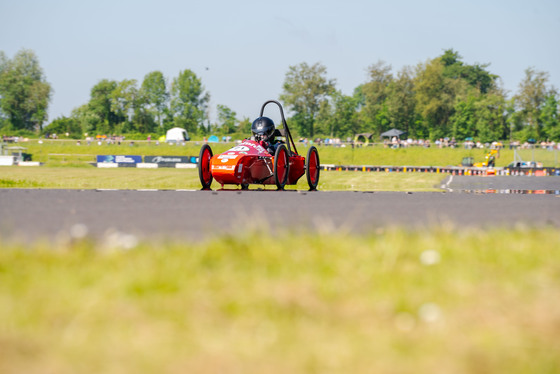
<point x="446" y="185"/>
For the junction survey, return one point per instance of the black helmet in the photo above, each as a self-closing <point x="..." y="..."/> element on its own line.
<point x="263" y="127"/>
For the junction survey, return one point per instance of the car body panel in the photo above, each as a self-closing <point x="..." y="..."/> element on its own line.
<point x="250" y="163"/>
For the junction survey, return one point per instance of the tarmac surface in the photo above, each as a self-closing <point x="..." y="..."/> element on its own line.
<point x="31" y="214"/>
<point x="503" y="183"/>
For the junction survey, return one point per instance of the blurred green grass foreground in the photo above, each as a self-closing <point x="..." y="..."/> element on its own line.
<point x="394" y="301"/>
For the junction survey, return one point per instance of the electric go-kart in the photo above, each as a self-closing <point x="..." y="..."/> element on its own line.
<point x="251" y="163"/>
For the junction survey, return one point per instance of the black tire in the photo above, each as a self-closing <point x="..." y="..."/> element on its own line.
<point x="204" y="173"/>
<point x="312" y="168"/>
<point x="281" y="166"/>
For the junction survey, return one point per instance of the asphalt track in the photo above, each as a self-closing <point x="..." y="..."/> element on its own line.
<point x="32" y="214"/>
<point x="503" y="183"/>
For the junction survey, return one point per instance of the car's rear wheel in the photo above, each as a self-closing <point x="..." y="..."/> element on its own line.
<point x="281" y="166"/>
<point x="312" y="168"/>
<point x="204" y="173"/>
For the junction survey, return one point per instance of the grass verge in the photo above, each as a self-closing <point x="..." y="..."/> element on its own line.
<point x="395" y="301"/>
<point x="67" y="153"/>
<point x="170" y="178"/>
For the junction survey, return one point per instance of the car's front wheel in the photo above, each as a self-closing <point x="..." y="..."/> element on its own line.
<point x="312" y="168"/>
<point x="204" y="173"/>
<point x="281" y="166"/>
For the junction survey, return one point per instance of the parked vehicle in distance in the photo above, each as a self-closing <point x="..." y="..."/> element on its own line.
<point x="524" y="164"/>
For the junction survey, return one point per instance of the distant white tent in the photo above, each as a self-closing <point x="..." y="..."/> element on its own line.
<point x="177" y="134"/>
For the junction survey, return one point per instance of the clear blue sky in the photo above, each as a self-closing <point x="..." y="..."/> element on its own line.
<point x="242" y="49"/>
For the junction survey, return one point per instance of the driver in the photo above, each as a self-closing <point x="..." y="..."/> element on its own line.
<point x="263" y="132"/>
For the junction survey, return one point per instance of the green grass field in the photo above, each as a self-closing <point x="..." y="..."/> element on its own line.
<point x="394" y="301"/>
<point x="67" y="153"/>
<point x="170" y="178"/>
<point x="67" y="165"/>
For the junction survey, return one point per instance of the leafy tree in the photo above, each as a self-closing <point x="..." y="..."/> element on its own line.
<point x="24" y="91"/>
<point x="101" y="106"/>
<point x="345" y="119"/>
<point x="452" y="61"/>
<point x="530" y="99"/>
<point x="111" y="108"/>
<point x="401" y="103"/>
<point x="491" y="123"/>
<point x="155" y="94"/>
<point x="322" y="125"/>
<point x="463" y="121"/>
<point x="475" y="75"/>
<point x="382" y="118"/>
<point x="226" y="119"/>
<point x="189" y="101"/>
<point x="513" y="119"/>
<point x="305" y="88"/>
<point x="435" y="97"/>
<point x="339" y="119"/>
<point x="143" y="120"/>
<point x="480" y="116"/>
<point x="244" y="126"/>
<point x="374" y="113"/>
<point x="64" y="125"/>
<point x="550" y="118"/>
<point x="3" y="66"/>
<point x="86" y="118"/>
<point x="464" y="95"/>
<point x="3" y="61"/>
<point x="125" y="99"/>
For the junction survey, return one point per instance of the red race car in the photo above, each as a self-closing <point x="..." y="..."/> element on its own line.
<point x="268" y="157"/>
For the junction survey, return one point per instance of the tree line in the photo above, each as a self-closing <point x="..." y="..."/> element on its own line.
<point x="442" y="97"/>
